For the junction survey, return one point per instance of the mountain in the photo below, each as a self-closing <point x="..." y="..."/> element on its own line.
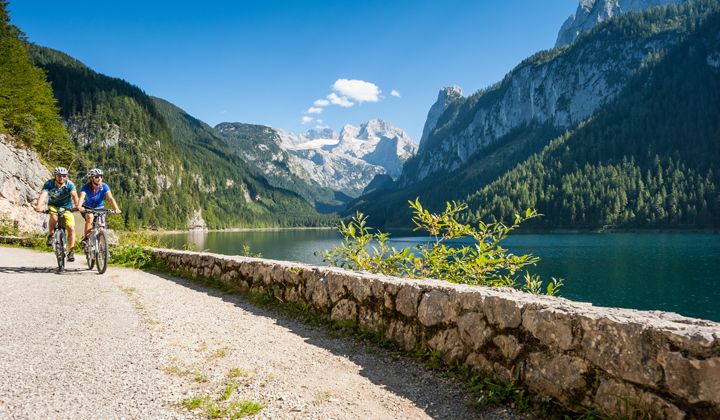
<point x="261" y="147"/>
<point x="649" y="159"/>
<point x="321" y="158"/>
<point x="591" y="12"/>
<point x="479" y="138"/>
<point x="166" y="168"/>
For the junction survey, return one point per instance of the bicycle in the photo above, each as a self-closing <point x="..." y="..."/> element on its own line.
<point x="59" y="240"/>
<point x="96" y="250"/>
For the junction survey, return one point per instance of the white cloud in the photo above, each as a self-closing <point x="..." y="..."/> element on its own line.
<point x="307" y="119"/>
<point x="339" y="100"/>
<point x="319" y="121"/>
<point x="395" y="93"/>
<point x="314" y="110"/>
<point x="358" y="90"/>
<point x="321" y="102"/>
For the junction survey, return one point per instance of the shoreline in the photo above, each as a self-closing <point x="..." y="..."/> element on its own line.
<point x="257" y="229"/>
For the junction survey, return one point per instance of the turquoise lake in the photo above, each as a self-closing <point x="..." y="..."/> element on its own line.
<point x="676" y="272"/>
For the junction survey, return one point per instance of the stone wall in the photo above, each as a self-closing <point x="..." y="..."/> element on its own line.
<point x="612" y="359"/>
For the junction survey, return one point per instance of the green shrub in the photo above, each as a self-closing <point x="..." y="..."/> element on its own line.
<point x="482" y="262"/>
<point x="130" y="256"/>
<point x="8" y="227"/>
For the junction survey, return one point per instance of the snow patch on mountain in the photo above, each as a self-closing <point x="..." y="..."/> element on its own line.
<point x="348" y="161"/>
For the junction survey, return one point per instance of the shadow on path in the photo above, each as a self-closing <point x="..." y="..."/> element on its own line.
<point x="402" y="375"/>
<point x="44" y="270"/>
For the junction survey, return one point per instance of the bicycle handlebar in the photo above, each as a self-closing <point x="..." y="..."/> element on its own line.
<point x="99" y="211"/>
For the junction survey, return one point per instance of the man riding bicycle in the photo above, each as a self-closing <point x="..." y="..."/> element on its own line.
<point x="93" y="195"/>
<point x="61" y="193"/>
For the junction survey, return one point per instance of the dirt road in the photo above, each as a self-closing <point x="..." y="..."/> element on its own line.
<point x="138" y="345"/>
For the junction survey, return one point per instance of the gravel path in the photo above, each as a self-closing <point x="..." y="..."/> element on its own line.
<point x="130" y="344"/>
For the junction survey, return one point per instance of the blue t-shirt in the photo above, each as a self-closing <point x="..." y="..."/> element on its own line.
<point x="59" y="197"/>
<point x="93" y="199"/>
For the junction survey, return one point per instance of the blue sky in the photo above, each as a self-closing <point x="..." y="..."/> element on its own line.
<point x="267" y="62"/>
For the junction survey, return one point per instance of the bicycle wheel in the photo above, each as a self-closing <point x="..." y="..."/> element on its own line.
<point x="60" y="237"/>
<point x="89" y="252"/>
<point x="101" y="252"/>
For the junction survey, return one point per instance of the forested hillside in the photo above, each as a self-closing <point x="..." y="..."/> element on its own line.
<point x="164" y="166"/>
<point x="650" y="159"/>
<point x="28" y="110"/>
<point x="681" y="133"/>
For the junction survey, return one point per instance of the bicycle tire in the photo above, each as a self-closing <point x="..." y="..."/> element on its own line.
<point x="60" y="237"/>
<point x="101" y="252"/>
<point x="89" y="254"/>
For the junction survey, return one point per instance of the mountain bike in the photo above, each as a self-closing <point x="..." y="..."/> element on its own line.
<point x="96" y="250"/>
<point x="59" y="241"/>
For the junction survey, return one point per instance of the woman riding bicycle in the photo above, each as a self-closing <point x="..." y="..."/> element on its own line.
<point x="92" y="196"/>
<point x="60" y="192"/>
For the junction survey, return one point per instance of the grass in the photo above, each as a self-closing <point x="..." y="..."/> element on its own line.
<point x="222" y="405"/>
<point x="176" y="371"/>
<point x="218" y="354"/>
<point x="200" y="377"/>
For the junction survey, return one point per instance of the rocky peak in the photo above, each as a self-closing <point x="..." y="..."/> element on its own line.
<point x="591" y="12"/>
<point x="446" y="96"/>
<point x="324" y="133"/>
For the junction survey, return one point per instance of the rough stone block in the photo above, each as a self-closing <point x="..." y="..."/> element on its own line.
<point x="558" y="376"/>
<point x="619" y="349"/>
<point x="436" y="308"/>
<point x="474" y="330"/>
<point x="693" y="380"/>
<point x="360" y="288"/>
<point x="338" y="286"/>
<point x="509" y="346"/>
<point x="403" y="334"/>
<point x="553" y="328"/>
<point x="448" y="343"/>
<point x="620" y="400"/>
<point x="504" y="313"/>
<point x="344" y="310"/>
<point x="407" y="300"/>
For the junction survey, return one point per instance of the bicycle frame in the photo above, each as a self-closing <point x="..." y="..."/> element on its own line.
<point x="96" y="250"/>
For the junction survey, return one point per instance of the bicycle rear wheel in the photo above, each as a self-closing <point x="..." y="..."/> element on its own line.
<point x="101" y="252"/>
<point x="60" y="238"/>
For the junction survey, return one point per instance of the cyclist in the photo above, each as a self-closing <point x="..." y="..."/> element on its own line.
<point x="92" y="196"/>
<point x="61" y="192"/>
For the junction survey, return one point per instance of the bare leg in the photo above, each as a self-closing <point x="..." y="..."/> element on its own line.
<point x="52" y="224"/>
<point x="88" y="223"/>
<point x="71" y="237"/>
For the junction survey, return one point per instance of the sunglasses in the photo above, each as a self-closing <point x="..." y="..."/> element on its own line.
<point x="97" y="176"/>
<point x="61" y="176"/>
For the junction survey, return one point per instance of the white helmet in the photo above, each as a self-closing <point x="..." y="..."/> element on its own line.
<point x="94" y="172"/>
<point x="60" y="171"/>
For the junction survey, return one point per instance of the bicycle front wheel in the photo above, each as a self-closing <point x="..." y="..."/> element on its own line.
<point x="89" y="253"/>
<point x="101" y="252"/>
<point x="60" y="238"/>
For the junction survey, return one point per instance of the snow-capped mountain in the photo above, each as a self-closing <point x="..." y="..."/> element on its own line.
<point x="349" y="161"/>
<point x="344" y="162"/>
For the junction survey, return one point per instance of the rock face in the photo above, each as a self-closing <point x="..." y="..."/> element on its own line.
<point x="21" y="178"/>
<point x="446" y="97"/>
<point x="652" y="364"/>
<point x="591" y="12"/>
<point x="558" y="88"/>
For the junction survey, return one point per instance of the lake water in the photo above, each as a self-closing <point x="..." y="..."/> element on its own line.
<point x="677" y="272"/>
